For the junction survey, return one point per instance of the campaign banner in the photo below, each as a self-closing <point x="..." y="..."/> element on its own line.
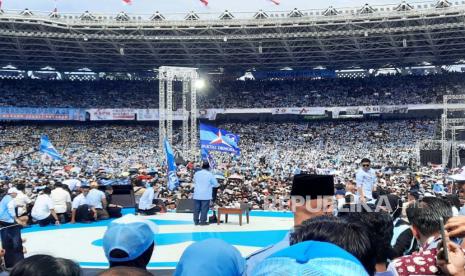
<point x="147" y="115"/>
<point x="210" y="114"/>
<point x="154" y="115"/>
<point x="371" y="109"/>
<point x="394" y="109"/>
<point x="353" y="111"/>
<point x="300" y="111"/>
<point x="215" y="139"/>
<point x="293" y="74"/>
<point x="41" y="114"/>
<point x="107" y="114"/>
<point x="383" y="109"/>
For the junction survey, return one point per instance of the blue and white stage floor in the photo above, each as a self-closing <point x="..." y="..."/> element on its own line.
<point x="82" y="242"/>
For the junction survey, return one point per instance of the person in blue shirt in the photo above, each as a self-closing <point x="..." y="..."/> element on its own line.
<point x="7" y="208"/>
<point x="10" y="227"/>
<point x="98" y="200"/>
<point x="204" y="182"/>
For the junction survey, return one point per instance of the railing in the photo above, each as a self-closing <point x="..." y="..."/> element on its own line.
<point x="380" y="11"/>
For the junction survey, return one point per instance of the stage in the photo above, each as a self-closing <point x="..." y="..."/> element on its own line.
<point x="82" y="242"/>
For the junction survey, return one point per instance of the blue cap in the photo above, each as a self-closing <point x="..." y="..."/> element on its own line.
<point x="212" y="257"/>
<point x="311" y="258"/>
<point x="130" y="234"/>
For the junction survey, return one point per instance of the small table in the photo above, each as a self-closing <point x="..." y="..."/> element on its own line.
<point x="233" y="211"/>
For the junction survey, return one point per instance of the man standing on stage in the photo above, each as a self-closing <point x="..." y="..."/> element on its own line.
<point x="366" y="181"/>
<point x="204" y="182"/>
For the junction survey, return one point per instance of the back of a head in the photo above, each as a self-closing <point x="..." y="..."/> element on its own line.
<point x="425" y="214"/>
<point x="129" y="241"/>
<point x="140" y="262"/>
<point x="380" y="229"/>
<point x="453" y="200"/>
<point x="45" y="265"/>
<point x="351" y="237"/>
<point x="205" y="165"/>
<point x="21" y="186"/>
<point x="47" y="191"/>
<point x="212" y="257"/>
<point x="125" y="271"/>
<point x="310" y="258"/>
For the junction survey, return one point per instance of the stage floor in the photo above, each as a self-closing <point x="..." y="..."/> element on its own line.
<point x="82" y="242"/>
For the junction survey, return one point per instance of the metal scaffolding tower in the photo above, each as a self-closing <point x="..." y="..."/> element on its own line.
<point x="188" y="76"/>
<point x="453" y="120"/>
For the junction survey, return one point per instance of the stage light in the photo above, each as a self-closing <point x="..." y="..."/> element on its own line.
<point x="200" y="84"/>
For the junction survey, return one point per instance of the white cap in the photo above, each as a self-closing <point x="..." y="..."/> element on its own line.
<point x="12" y="190"/>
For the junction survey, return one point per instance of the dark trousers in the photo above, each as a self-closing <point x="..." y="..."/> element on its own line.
<point x="151" y="211"/>
<point x="64" y="217"/>
<point x="46" y="221"/>
<point x="84" y="214"/>
<point x="12" y="243"/>
<point x="114" y="212"/>
<point x="201" y="207"/>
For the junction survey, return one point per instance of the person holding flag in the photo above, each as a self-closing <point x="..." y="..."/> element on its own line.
<point x="204" y="182"/>
<point x="173" y="181"/>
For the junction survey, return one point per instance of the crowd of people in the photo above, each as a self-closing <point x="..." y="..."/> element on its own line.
<point x="270" y="154"/>
<point x="368" y="234"/>
<point x="400" y="239"/>
<point x="380" y="90"/>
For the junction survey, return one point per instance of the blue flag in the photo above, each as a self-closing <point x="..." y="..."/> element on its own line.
<point x="173" y="180"/>
<point x="206" y="156"/>
<point x="215" y="139"/>
<point x="47" y="148"/>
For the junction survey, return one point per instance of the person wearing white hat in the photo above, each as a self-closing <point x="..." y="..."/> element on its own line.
<point x="10" y="229"/>
<point x="7" y="208"/>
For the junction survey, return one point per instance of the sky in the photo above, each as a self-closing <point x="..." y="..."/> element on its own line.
<point x="183" y="6"/>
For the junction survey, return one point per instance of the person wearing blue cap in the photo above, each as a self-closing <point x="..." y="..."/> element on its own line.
<point x="308" y="190"/>
<point x="311" y="258"/>
<point x="212" y="257"/>
<point x="350" y="236"/>
<point x="130" y="241"/>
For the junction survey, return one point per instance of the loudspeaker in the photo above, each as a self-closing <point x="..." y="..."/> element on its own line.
<point x="125" y="200"/>
<point x="122" y="195"/>
<point x="185" y="206"/>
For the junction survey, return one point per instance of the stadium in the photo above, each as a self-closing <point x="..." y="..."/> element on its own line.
<point x="201" y="139"/>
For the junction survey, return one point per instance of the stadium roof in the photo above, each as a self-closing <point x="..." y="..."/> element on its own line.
<point x="367" y="37"/>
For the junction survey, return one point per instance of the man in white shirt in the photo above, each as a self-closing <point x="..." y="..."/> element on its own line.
<point x="62" y="201"/>
<point x="81" y="209"/>
<point x="43" y="211"/>
<point x="98" y="200"/>
<point x="73" y="184"/>
<point x="366" y="181"/>
<point x="22" y="203"/>
<point x="146" y="206"/>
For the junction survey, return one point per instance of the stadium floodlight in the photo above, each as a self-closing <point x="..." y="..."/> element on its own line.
<point x="200" y="84"/>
